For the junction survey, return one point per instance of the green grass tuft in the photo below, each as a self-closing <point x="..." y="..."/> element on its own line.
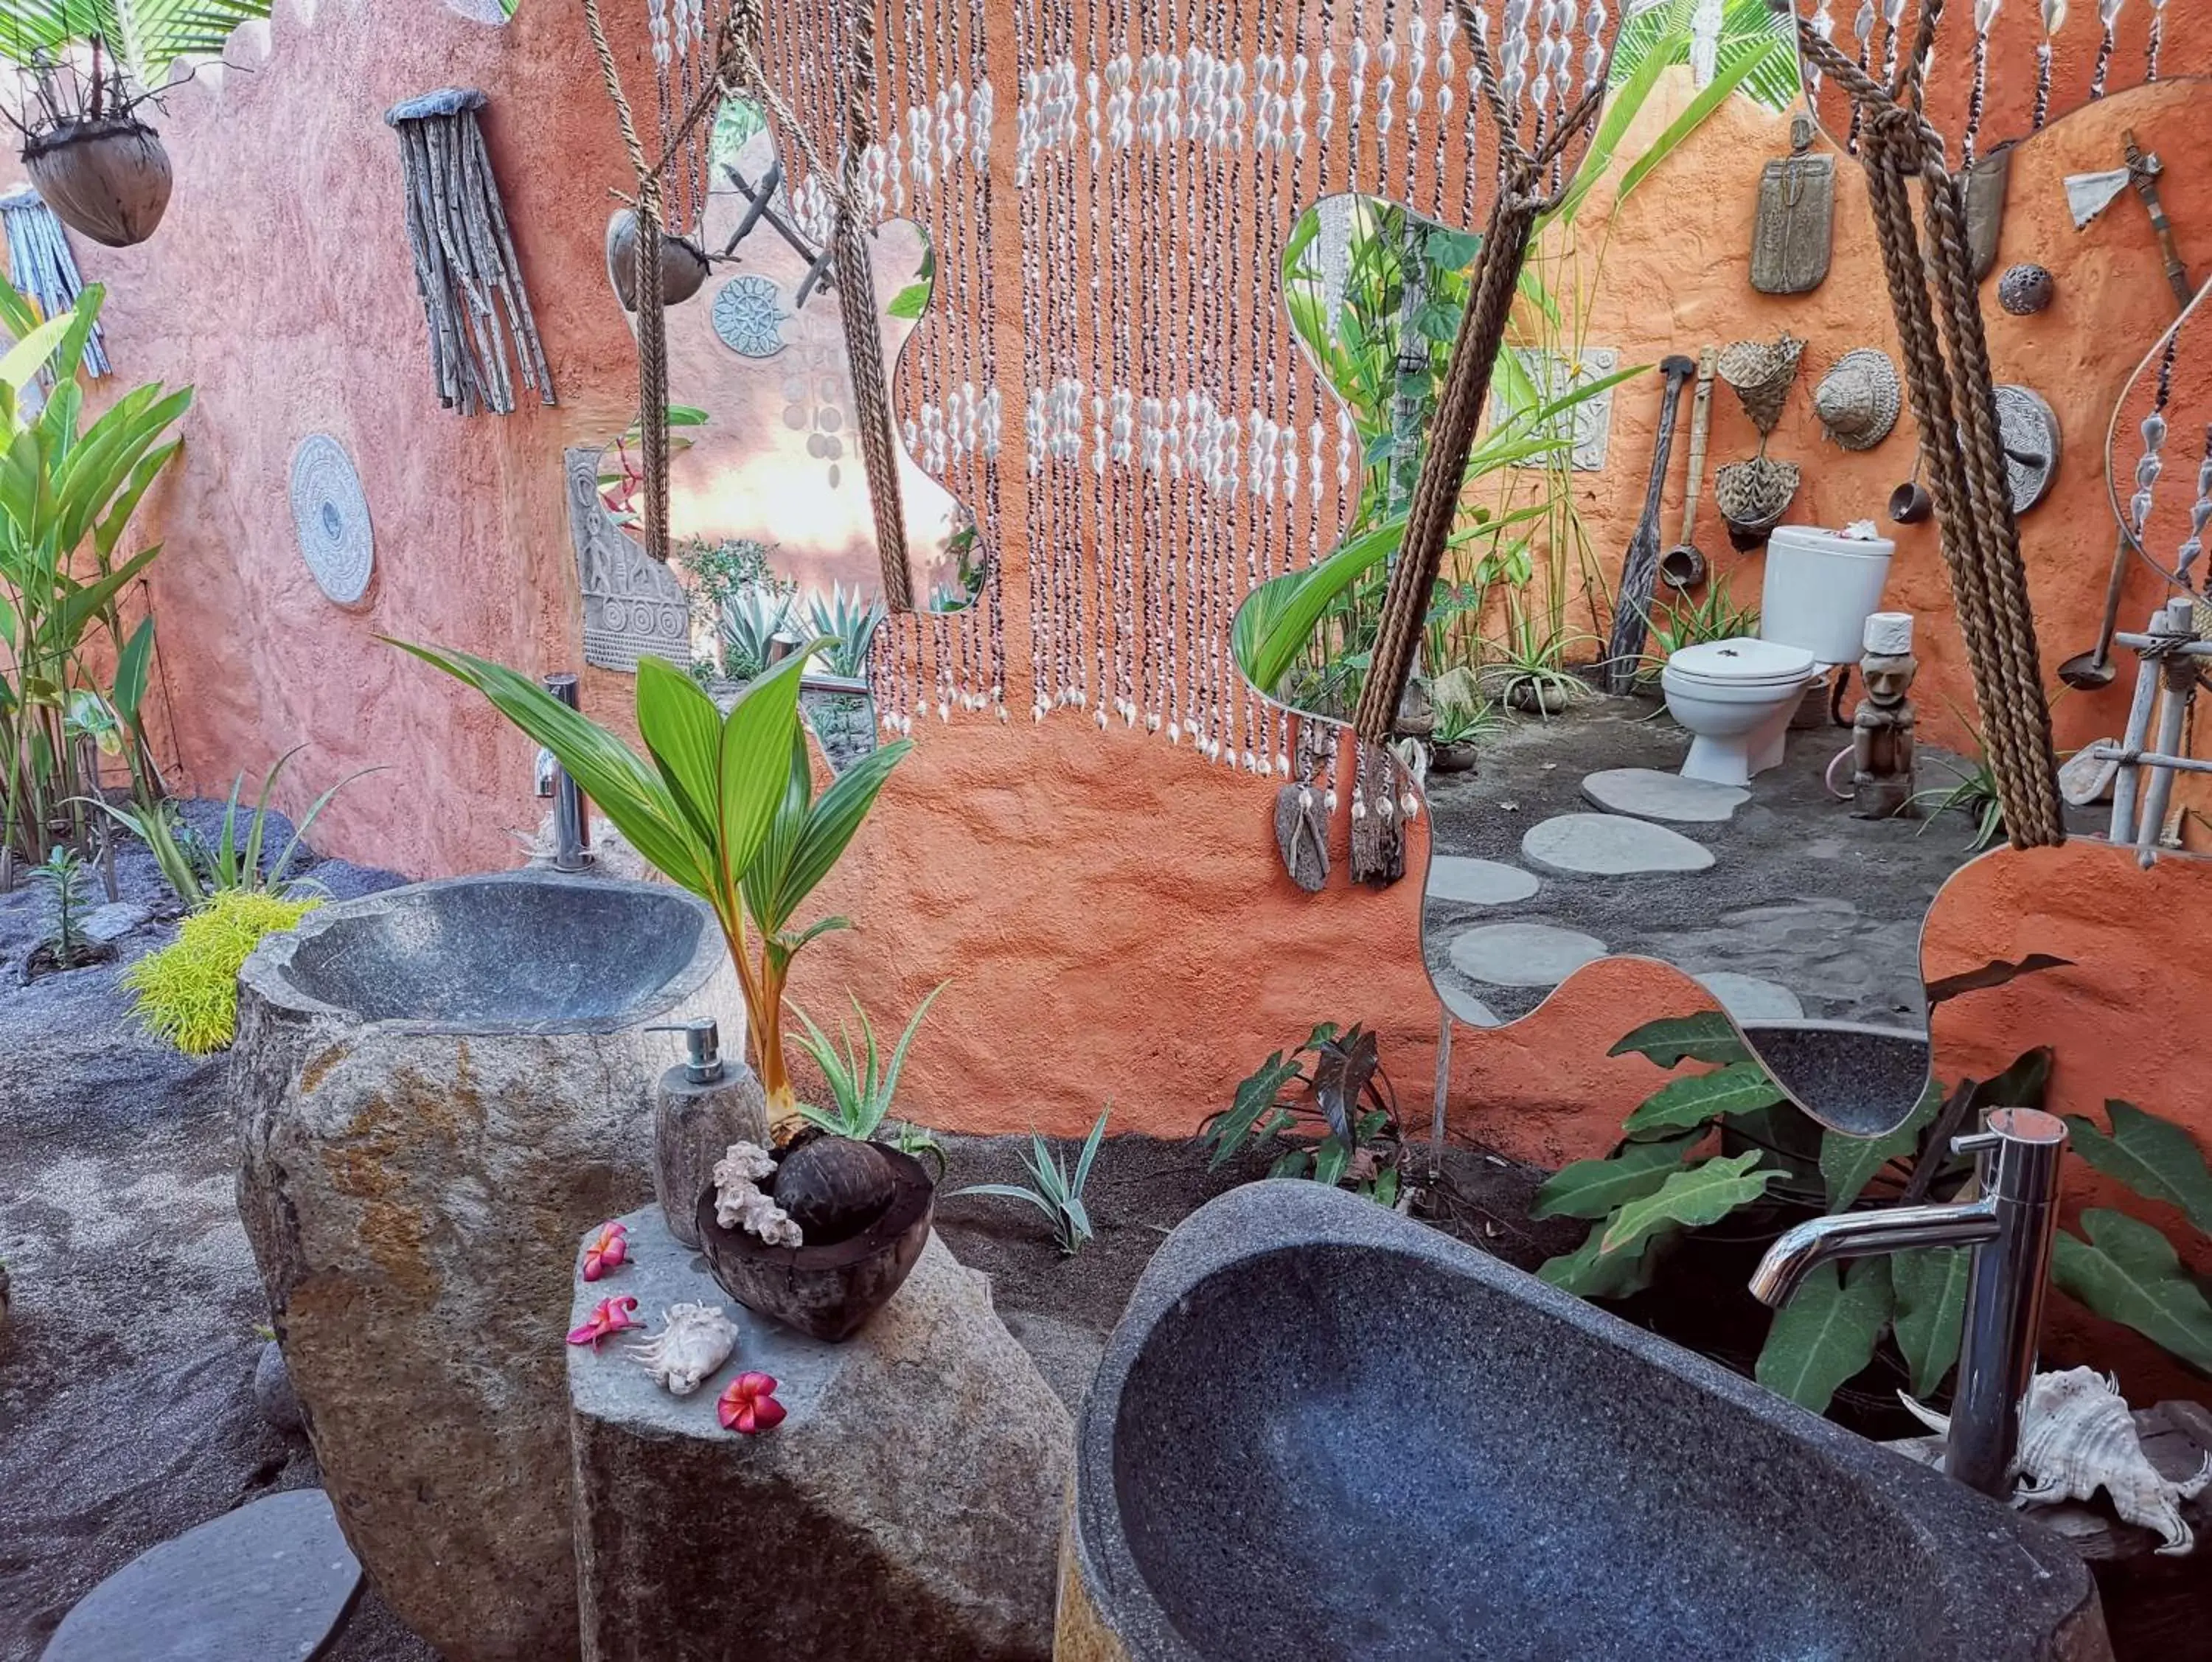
<point x="188" y="991"/>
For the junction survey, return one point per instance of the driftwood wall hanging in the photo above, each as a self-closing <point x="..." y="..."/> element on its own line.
<point x="482" y="338"/>
<point x="41" y="267"/>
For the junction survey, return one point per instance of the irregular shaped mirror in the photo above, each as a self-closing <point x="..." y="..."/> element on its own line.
<point x="2158" y="454"/>
<point x="1712" y="759"/>
<point x="765" y="452"/>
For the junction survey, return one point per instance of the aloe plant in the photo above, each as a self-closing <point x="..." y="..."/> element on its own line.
<point x="722" y="806"/>
<point x="861" y="1084"/>
<point x="1053" y="1189"/>
<point x="848" y="619"/>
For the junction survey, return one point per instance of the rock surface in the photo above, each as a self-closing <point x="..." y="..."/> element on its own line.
<point x="906" y="1511"/>
<point x="1522" y="954"/>
<point x="272" y="1390"/>
<point x="1610" y="845"/>
<point x="1469" y="882"/>
<point x="1650" y="793"/>
<point x="268" y="1581"/>
<point x="414" y="1194"/>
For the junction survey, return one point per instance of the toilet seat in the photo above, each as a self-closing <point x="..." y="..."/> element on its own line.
<point x="1744" y="661"/>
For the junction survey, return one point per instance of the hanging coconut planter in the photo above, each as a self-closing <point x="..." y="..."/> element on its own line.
<point x="683" y="266"/>
<point x="107" y="178"/>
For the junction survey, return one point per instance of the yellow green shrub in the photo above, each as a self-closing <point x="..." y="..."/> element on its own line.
<point x="188" y="991"/>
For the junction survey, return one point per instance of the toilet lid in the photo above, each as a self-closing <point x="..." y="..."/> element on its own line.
<point x="1744" y="660"/>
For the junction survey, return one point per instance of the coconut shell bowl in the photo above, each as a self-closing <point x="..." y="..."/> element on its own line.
<point x="865" y="1211"/>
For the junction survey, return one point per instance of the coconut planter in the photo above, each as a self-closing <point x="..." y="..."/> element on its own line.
<point x="829" y="1290"/>
<point x="108" y="178"/>
<point x="683" y="266"/>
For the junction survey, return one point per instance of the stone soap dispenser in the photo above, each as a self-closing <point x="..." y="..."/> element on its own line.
<point x="703" y="1105"/>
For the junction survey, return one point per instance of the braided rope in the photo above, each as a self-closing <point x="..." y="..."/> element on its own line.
<point x="856" y="309"/>
<point x="1953" y="402"/>
<point x="1436" y="492"/>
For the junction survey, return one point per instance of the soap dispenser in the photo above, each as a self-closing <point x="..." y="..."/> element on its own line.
<point x="703" y="1105"/>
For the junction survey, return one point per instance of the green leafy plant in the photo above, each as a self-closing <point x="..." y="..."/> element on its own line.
<point x="1527" y="665"/>
<point x="755" y="625"/>
<point x="1706" y="1146"/>
<point x="720" y="570"/>
<point x="848" y="620"/>
<point x="1752" y="33"/>
<point x="619" y="485"/>
<point x="860" y="1084"/>
<point x="198" y="872"/>
<point x="1975" y="796"/>
<point x="67" y="495"/>
<point x="188" y="991"/>
<point x="1053" y="1189"/>
<point x="2124" y="1269"/>
<point x="61" y="876"/>
<point x="725" y="809"/>
<point x="1464" y="721"/>
<point x="143" y="36"/>
<point x="1332" y="1118"/>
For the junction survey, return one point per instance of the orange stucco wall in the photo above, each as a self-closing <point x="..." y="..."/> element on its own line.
<point x="1111" y="915"/>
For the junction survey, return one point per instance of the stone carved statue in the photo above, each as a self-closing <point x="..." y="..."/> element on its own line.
<point x="1882" y="731"/>
<point x="1796" y="224"/>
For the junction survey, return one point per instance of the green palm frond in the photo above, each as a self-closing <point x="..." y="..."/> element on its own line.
<point x="146" y="36"/>
<point x="1751" y="31"/>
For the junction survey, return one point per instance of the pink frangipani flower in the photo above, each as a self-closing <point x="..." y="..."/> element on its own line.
<point x="608" y="1317"/>
<point x="610" y="1249"/>
<point x="749" y="1406"/>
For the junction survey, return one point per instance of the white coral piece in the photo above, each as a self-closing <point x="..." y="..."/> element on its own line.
<point x="739" y="1202"/>
<point x="2076" y="1436"/>
<point x="697" y="1340"/>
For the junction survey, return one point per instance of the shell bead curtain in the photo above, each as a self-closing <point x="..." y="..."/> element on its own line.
<point x="473" y="297"/>
<point x="40" y="265"/>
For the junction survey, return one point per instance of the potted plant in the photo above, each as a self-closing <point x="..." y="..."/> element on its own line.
<point x="723" y="808"/>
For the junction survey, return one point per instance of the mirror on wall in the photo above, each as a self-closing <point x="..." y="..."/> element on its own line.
<point x="1744" y="787"/>
<point x="765" y="451"/>
<point x="2158" y="454"/>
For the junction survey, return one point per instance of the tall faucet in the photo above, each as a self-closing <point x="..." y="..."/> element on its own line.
<point x="2010" y="1227"/>
<point x="571" y="832"/>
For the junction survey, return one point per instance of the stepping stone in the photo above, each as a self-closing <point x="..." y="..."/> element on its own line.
<point x="1648" y="793"/>
<point x="1609" y="845"/>
<point x="1747" y="998"/>
<point x="1522" y="954"/>
<point x="1469" y="882"/>
<point x="268" y="1580"/>
<point x="1465" y="1006"/>
<point x="106" y="924"/>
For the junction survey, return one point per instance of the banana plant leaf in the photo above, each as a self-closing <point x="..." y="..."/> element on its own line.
<point x="2154" y="1157"/>
<point x="1738" y="1088"/>
<point x="2128" y="1272"/>
<point x="1595" y="1188"/>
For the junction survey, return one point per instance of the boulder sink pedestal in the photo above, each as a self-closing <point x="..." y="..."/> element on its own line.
<point x="437" y="1089"/>
<point x="906" y="1510"/>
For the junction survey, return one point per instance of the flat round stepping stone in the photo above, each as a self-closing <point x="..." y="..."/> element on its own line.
<point x="1648" y="793"/>
<point x="1609" y="845"/>
<point x="1466" y="1007"/>
<point x="1747" y="998"/>
<point x="268" y="1580"/>
<point x="1522" y="954"/>
<point x="1470" y="882"/>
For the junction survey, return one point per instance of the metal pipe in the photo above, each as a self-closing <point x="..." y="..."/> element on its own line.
<point x="572" y="830"/>
<point x="2010" y="1229"/>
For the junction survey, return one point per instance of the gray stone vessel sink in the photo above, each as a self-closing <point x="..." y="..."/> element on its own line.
<point x="438" y="1090"/>
<point x="1323" y="1432"/>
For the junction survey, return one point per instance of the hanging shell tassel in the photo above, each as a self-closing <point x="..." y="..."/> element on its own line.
<point x="2076" y="1436"/>
<point x="697" y="1340"/>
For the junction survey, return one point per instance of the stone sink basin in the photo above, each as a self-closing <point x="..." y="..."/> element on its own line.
<point x="1327" y="1433"/>
<point x="438" y="1090"/>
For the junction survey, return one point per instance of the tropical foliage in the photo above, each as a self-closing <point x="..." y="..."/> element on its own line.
<point x="861" y="1082"/>
<point x="1753" y="44"/>
<point x="73" y="677"/>
<point x="2124" y="1268"/>
<point x="723" y="805"/>
<point x="188" y="991"/>
<point x="1327" y="1110"/>
<point x="144" y="37"/>
<point x="1053" y="1189"/>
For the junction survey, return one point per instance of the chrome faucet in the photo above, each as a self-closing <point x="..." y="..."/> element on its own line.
<point x="2010" y="1227"/>
<point x="571" y="832"/>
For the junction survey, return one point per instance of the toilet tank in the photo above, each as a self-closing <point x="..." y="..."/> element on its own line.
<point x="1820" y="588"/>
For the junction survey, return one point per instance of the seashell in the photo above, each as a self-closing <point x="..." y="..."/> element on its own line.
<point x="834" y="1188"/>
<point x="697" y="1340"/>
<point x="2076" y="1436"/>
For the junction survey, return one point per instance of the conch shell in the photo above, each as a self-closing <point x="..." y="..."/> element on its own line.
<point x="2076" y="1437"/>
<point x="697" y="1340"/>
<point x="739" y="1202"/>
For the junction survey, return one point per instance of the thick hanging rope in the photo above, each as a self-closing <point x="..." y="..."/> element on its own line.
<point x="1521" y="201"/>
<point x="1937" y="309"/>
<point x="856" y="311"/>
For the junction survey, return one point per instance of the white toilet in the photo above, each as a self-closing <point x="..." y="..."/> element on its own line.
<point x="1735" y="697"/>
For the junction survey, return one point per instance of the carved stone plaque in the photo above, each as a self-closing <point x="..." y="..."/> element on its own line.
<point x="2027" y="427"/>
<point x="632" y="606"/>
<point x="1791" y="237"/>
<point x="1591" y="420"/>
<point x="330" y="517"/>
